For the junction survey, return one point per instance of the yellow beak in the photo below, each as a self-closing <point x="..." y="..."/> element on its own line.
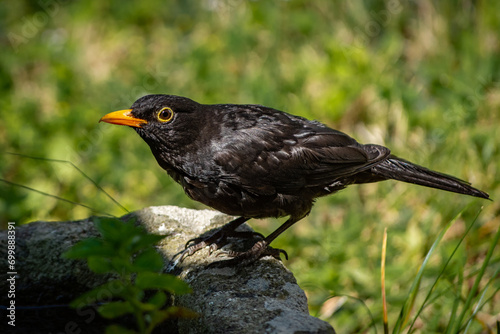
<point x="123" y="117"/>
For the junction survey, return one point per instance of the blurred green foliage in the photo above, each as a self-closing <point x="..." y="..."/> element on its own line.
<point x="128" y="252"/>
<point x="420" y="77"/>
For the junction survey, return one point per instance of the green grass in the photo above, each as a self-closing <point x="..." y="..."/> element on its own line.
<point x="421" y="78"/>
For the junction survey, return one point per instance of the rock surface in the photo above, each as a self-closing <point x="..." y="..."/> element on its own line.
<point x="259" y="298"/>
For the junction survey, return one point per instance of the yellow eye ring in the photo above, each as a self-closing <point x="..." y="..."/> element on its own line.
<point x="165" y="115"/>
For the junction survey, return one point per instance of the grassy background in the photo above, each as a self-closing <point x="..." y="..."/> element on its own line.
<point x="419" y="77"/>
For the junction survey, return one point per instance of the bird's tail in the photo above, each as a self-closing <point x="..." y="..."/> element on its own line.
<point x="402" y="170"/>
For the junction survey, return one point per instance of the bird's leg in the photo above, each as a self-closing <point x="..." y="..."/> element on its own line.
<point x="217" y="239"/>
<point x="261" y="248"/>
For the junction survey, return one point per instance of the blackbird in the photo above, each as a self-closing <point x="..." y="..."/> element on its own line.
<point x="253" y="161"/>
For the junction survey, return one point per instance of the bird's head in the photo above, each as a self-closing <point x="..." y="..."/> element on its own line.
<point x="163" y="121"/>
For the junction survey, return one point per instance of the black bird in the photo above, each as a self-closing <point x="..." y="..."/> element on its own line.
<point x="253" y="161"/>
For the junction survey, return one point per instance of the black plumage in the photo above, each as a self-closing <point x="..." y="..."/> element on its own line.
<point x="254" y="162"/>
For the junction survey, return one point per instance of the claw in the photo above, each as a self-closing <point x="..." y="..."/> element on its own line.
<point x="224" y="254"/>
<point x="282" y="251"/>
<point x="213" y="247"/>
<point x="186" y="245"/>
<point x="193" y="240"/>
<point x="216" y="240"/>
<point x="183" y="256"/>
<point x="258" y="250"/>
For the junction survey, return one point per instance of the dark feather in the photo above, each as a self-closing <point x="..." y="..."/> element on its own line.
<point x="255" y="161"/>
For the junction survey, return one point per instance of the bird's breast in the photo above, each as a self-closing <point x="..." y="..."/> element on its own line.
<point x="238" y="201"/>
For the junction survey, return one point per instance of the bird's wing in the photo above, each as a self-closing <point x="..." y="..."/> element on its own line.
<point x="323" y="158"/>
<point x="290" y="157"/>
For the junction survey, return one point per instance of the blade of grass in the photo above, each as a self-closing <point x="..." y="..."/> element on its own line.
<point x="382" y="273"/>
<point x="479" y="305"/>
<point x="412" y="294"/>
<point x="476" y="309"/>
<point x="56" y="197"/>
<point x="362" y="302"/>
<point x="458" y="299"/>
<point x="475" y="286"/>
<point x="424" y="304"/>
<point x="75" y="167"/>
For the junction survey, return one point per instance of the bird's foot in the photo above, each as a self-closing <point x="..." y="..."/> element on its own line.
<point x="214" y="241"/>
<point x="258" y="250"/>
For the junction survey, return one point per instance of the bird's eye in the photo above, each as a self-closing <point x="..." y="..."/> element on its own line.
<point x="165" y="114"/>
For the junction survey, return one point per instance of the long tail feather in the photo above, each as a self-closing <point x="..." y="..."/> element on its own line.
<point x="402" y="170"/>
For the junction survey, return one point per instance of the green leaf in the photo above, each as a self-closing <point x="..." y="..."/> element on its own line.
<point x="148" y="280"/>
<point x="149" y="260"/>
<point x="158" y="300"/>
<point x="115" y="309"/>
<point x="99" y="265"/>
<point x="144" y="240"/>
<point x="114" y="288"/>
<point x="145" y="307"/>
<point x="115" y="230"/>
<point x="138" y="294"/>
<point x="123" y="264"/>
<point x="108" y="227"/>
<point x="89" y="247"/>
<point x="125" y="236"/>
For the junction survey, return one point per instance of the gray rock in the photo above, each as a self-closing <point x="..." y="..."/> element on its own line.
<point x="259" y="298"/>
